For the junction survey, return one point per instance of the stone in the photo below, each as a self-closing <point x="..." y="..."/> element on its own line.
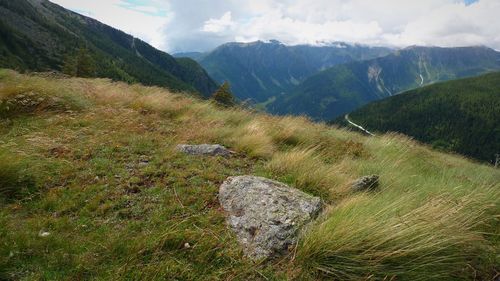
<point x="266" y="215"/>
<point x="204" y="149"/>
<point x="366" y="183"/>
<point x="43" y="233"/>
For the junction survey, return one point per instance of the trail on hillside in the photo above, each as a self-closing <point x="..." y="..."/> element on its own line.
<point x="357" y="126"/>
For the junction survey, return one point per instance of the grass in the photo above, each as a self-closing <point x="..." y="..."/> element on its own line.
<point x="14" y="183"/>
<point x="79" y="164"/>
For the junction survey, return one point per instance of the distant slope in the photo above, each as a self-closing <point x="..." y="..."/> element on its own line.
<point x="259" y="71"/>
<point x="343" y="88"/>
<point x="461" y="116"/>
<point x="37" y="35"/>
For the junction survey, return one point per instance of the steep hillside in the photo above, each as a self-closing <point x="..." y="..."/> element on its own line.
<point x="343" y="88"/>
<point x="92" y="188"/>
<point x="461" y="115"/>
<point x="259" y="71"/>
<point x="37" y="35"/>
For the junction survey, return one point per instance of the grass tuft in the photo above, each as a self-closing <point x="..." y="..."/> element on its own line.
<point x="15" y="182"/>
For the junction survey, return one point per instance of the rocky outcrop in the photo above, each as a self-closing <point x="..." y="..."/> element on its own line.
<point x="266" y="215"/>
<point x="366" y="183"/>
<point x="204" y="149"/>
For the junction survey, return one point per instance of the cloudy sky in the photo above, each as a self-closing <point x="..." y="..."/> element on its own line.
<point x="200" y="25"/>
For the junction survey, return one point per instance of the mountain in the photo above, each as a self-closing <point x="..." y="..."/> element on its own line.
<point x="343" y="88"/>
<point x="37" y="35"/>
<point x="460" y="115"/>
<point x="259" y="71"/>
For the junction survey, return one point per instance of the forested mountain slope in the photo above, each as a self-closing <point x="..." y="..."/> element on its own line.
<point x="259" y="71"/>
<point x="461" y="115"/>
<point x="345" y="87"/>
<point x="37" y="35"/>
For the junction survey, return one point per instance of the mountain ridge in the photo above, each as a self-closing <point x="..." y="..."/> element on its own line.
<point x="343" y="88"/>
<point x="259" y="71"/>
<point x="37" y="35"/>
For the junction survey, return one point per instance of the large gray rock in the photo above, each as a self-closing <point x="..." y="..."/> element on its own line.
<point x="204" y="149"/>
<point x="366" y="183"/>
<point x="266" y="215"/>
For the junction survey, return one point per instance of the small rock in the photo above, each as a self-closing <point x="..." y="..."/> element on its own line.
<point x="366" y="183"/>
<point x="266" y="215"/>
<point x="143" y="163"/>
<point x="43" y="233"/>
<point x="187" y="246"/>
<point x="204" y="149"/>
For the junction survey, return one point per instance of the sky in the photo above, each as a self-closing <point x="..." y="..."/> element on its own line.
<point x="201" y="25"/>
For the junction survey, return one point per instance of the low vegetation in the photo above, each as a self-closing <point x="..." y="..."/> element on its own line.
<point x="104" y="194"/>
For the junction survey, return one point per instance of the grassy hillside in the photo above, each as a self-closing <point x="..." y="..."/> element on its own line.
<point x="344" y="88"/>
<point x="461" y="115"/>
<point x="37" y="35"/>
<point x="92" y="189"/>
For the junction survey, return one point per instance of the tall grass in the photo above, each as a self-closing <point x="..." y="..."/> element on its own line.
<point x="380" y="238"/>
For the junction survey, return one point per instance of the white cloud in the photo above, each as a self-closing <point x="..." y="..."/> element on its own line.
<point x="219" y="25"/>
<point x="198" y="25"/>
<point x="142" y="21"/>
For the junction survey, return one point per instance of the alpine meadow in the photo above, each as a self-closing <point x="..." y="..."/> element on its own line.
<point x="281" y="140"/>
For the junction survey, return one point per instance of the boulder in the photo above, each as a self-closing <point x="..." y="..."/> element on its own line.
<point x="366" y="183"/>
<point x="204" y="149"/>
<point x="266" y="215"/>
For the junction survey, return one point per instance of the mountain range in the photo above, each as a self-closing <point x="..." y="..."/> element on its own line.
<point x="343" y="88"/>
<point x="260" y="71"/>
<point x="37" y="35"/>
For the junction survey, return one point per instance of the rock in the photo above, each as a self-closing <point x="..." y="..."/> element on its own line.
<point x="266" y="215"/>
<point x="366" y="183"/>
<point x="43" y="233"/>
<point x="204" y="149"/>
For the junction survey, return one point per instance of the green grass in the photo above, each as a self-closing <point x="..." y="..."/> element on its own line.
<point x="110" y="217"/>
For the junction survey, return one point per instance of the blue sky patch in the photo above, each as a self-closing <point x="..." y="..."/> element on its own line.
<point x="468" y="2"/>
<point x="144" y="6"/>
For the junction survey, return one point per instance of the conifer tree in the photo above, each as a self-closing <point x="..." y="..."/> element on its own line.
<point x="80" y="64"/>
<point x="86" y="65"/>
<point x="224" y="96"/>
<point x="69" y="65"/>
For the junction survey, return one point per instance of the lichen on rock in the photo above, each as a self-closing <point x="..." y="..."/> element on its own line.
<point x="266" y="215"/>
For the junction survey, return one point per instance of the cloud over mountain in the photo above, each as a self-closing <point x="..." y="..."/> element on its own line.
<point x="177" y="25"/>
